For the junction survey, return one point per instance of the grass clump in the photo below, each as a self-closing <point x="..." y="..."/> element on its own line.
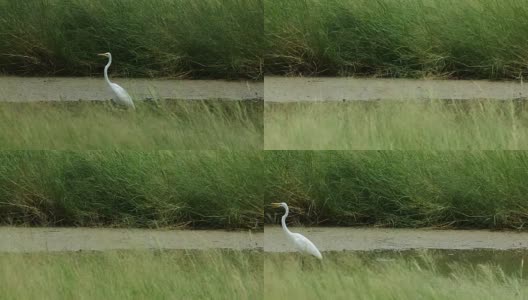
<point x="158" y="38"/>
<point x="403" y="38"/>
<point x="132" y="275"/>
<point x="447" y="189"/>
<point x="194" y="189"/>
<point x="165" y="125"/>
<point x="397" y="125"/>
<point x="346" y="276"/>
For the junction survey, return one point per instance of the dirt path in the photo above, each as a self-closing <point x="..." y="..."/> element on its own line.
<point x="19" y="89"/>
<point x="281" y="89"/>
<point x="14" y="239"/>
<point x="337" y="239"/>
<point x="275" y="89"/>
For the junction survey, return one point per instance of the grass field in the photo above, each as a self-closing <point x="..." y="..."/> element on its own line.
<point x="348" y="276"/>
<point x="403" y="38"/>
<point x="233" y="38"/>
<point x="251" y="275"/>
<point x="397" y="125"/>
<point x="159" y="38"/>
<point x="448" y="189"/>
<point x="132" y="275"/>
<point x="166" y="125"/>
<point x="193" y="189"/>
<point x="227" y="189"/>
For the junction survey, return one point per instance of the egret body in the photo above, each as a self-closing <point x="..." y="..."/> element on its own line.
<point x="123" y="98"/>
<point x="301" y="242"/>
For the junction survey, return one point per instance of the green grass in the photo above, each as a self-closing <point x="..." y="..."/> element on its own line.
<point x="158" y="38"/>
<point x="132" y="275"/>
<point x="397" y="125"/>
<point x="402" y="38"/>
<point x="167" y="125"/>
<point x="232" y="189"/>
<point x="194" y="189"/>
<point x="347" y="276"/>
<point x="249" y="275"/>
<point x="448" y="189"/>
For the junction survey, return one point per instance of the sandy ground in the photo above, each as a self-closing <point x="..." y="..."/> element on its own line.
<point x="364" y="239"/>
<point x="282" y="89"/>
<point x="16" y="239"/>
<point x="19" y="89"/>
<point x="274" y="89"/>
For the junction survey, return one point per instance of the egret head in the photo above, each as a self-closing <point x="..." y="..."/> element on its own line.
<point x="281" y="204"/>
<point x="107" y="54"/>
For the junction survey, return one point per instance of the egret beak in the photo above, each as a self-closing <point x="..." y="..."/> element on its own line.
<point x="101" y="54"/>
<point x="275" y="205"/>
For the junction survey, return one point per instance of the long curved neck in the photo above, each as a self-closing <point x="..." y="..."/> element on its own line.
<point x="106" y="69"/>
<point x="283" y="221"/>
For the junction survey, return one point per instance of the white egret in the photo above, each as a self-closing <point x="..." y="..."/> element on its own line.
<point x="123" y="97"/>
<point x="301" y="242"/>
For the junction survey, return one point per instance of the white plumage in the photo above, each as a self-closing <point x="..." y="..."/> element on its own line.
<point x="301" y="242"/>
<point x="122" y="97"/>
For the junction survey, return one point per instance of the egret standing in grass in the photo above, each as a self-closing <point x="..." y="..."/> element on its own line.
<point x="123" y="97"/>
<point x="301" y="242"/>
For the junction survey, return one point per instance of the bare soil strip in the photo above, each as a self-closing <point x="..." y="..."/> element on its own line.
<point x="24" y="89"/>
<point x="297" y="89"/>
<point x="367" y="239"/>
<point x="16" y="239"/>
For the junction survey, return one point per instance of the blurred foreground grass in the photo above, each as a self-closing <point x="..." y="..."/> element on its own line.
<point x="132" y="275"/>
<point x="164" y="125"/>
<point x="347" y="276"/>
<point x="397" y="125"/>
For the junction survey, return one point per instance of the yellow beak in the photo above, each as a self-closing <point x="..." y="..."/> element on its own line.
<point x="275" y="205"/>
<point x="101" y="54"/>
